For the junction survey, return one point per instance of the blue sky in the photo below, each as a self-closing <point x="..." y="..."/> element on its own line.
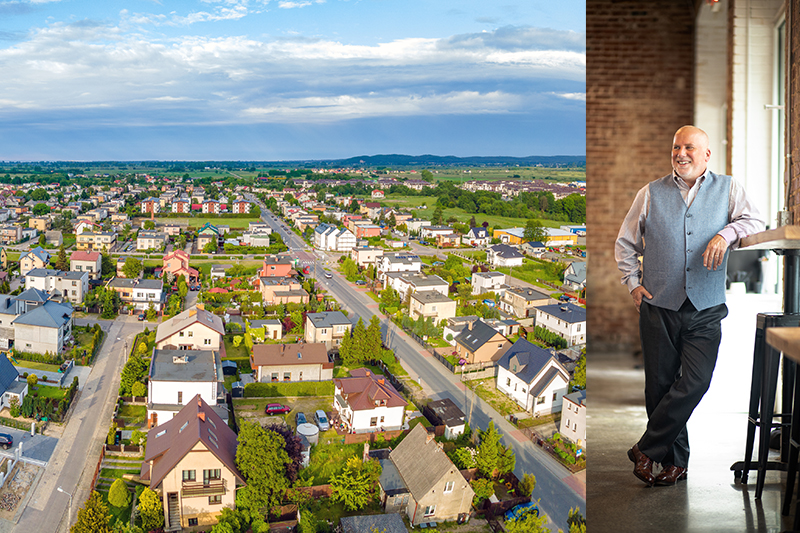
<point x="290" y="79"/>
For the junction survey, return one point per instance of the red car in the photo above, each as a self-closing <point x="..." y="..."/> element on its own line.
<point x="276" y="409"/>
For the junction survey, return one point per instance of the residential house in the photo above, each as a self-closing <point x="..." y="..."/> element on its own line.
<point x="60" y="285"/>
<point x="451" y="240"/>
<point x="371" y="209"/>
<point x="414" y="225"/>
<point x="377" y="193"/>
<point x="121" y="267"/>
<point x="36" y="258"/>
<point x="503" y="255"/>
<point x="322" y="234"/>
<point x="291" y="362"/>
<point x="54" y="237"/>
<point x="510" y="235"/>
<point x="575" y="276"/>
<point x="151" y="205"/>
<point x="211" y="206"/>
<point x="32" y="322"/>
<point x="39" y="223"/>
<point x="365" y="231"/>
<point x="10" y="384"/>
<point x="259" y="227"/>
<point x="177" y="264"/>
<point x="277" y="290"/>
<point x="476" y="237"/>
<point x="176" y="376"/>
<point x="532" y="377"/>
<point x="87" y="225"/>
<point x="240" y="207"/>
<point x="431" y="304"/>
<point x="522" y="302"/>
<point x="365" y="256"/>
<point x="173" y="230"/>
<point x="327" y="327"/>
<point x="151" y="240"/>
<point x="446" y="413"/>
<point x="573" y="418"/>
<point x="276" y="266"/>
<point x="28" y="233"/>
<point x="560" y="237"/>
<point x="218" y="271"/>
<point x="102" y="241"/>
<point x="181" y="205"/>
<point x="438" y="491"/>
<point x="193" y="329"/>
<point x="398" y="262"/>
<point x="259" y="240"/>
<point x="3" y="259"/>
<point x="567" y="320"/>
<point x="91" y="262"/>
<point x="488" y="282"/>
<point x="480" y="343"/>
<point x="270" y="328"/>
<point x="432" y="232"/>
<point x="140" y="293"/>
<point x="208" y="233"/>
<point x="407" y="283"/>
<point x="190" y="461"/>
<point x="534" y="248"/>
<point x="455" y="326"/>
<point x="10" y="234"/>
<point x="368" y="403"/>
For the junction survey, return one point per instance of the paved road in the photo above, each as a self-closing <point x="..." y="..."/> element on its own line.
<point x="75" y="456"/>
<point x="558" y="490"/>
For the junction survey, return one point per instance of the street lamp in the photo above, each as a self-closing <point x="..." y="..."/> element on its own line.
<point x="69" y="509"/>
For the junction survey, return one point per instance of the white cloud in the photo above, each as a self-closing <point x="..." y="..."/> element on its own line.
<point x="571" y="96"/>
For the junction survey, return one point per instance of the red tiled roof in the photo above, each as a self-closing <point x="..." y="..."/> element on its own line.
<point x="364" y="388"/>
<point x="84" y="256"/>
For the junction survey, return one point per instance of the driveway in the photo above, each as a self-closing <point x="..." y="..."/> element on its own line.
<point x="38" y="447"/>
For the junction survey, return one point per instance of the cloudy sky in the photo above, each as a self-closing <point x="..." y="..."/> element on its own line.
<point x="290" y="79"/>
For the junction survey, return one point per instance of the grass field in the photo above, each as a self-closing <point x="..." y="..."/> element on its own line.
<point x="38" y="366"/>
<point x="198" y="222"/>
<point x="523" y="173"/>
<point x="463" y="217"/>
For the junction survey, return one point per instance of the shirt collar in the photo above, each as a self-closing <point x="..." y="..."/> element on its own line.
<point x="683" y="185"/>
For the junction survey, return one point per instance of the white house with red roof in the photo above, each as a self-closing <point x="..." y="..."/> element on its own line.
<point x="90" y="262"/>
<point x="367" y="402"/>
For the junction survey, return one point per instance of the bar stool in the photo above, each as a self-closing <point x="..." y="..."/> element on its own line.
<point x="763" y="388"/>
<point x="794" y="450"/>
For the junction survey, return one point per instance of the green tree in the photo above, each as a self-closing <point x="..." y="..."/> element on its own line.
<point x="107" y="265"/>
<point x="529" y="522"/>
<point x="149" y="224"/>
<point x="527" y="485"/>
<point x="151" y="312"/>
<point x="483" y="488"/>
<point x="390" y="298"/>
<point x="576" y="521"/>
<point x="261" y="457"/>
<point x="62" y="260"/>
<point x="464" y="292"/>
<point x="40" y="209"/>
<point x="354" y="486"/>
<point x="33" y="380"/>
<point x="493" y="459"/>
<point x="118" y="494"/>
<point x="579" y="375"/>
<point x="42" y="239"/>
<point x="93" y="517"/>
<point x="534" y="231"/>
<point x="210" y="247"/>
<point x="349" y="268"/>
<point x="359" y="348"/>
<point x="346" y="349"/>
<point x="151" y="510"/>
<point x="374" y="341"/>
<point x="139" y="389"/>
<point x="134" y="371"/>
<point x="308" y="522"/>
<point x="132" y="267"/>
<point x="436" y="219"/>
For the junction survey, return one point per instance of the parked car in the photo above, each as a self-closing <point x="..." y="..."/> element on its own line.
<point x="520" y="510"/>
<point x="328" y="275"/>
<point x="6" y="441"/>
<point x="564" y="297"/>
<point x="141" y="317"/>
<point x="276" y="409"/>
<point x="300" y="418"/>
<point x="321" y="420"/>
<point x="360" y="282"/>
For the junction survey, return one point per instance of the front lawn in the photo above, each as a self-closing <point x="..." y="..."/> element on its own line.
<point x="235" y="352"/>
<point x="487" y="391"/>
<point x="133" y="415"/>
<point x="46" y="391"/>
<point x="38" y="366"/>
<point x="327" y="460"/>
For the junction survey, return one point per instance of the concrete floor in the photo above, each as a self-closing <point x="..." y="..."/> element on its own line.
<point x="710" y="500"/>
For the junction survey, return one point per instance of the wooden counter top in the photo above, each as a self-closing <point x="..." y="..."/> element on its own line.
<point x="786" y="340"/>
<point x="783" y="238"/>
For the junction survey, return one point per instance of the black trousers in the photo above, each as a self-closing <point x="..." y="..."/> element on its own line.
<point x="680" y="351"/>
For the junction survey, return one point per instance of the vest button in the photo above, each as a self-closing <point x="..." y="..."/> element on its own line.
<point x="688" y="269"/>
<point x="688" y="233"/>
<point x="688" y="215"/>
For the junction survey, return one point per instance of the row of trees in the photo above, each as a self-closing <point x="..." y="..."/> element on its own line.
<point x="363" y="344"/>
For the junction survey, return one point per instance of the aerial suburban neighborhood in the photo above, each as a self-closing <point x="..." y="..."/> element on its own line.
<point x="310" y="349"/>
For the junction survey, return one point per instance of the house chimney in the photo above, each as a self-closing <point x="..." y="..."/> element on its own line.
<point x="202" y="416"/>
<point x="429" y="437"/>
<point x="382" y="381"/>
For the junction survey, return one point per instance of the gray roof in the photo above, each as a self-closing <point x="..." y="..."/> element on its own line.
<point x="385" y="523"/>
<point x="430" y="297"/>
<point x="328" y="319"/>
<point x="137" y="283"/>
<point x="261" y="323"/>
<point x="32" y="295"/>
<point x="545" y="380"/>
<point x="390" y="480"/>
<point x="49" y="315"/>
<point x="570" y="313"/>
<point x="474" y="338"/>
<point x="580" y="272"/>
<point x="447" y="411"/>
<point x="8" y="374"/>
<point x="525" y="360"/>
<point x="39" y="252"/>
<point x="528" y="294"/>
<point x="66" y="274"/>
<point x="577" y="397"/>
<point x="200" y="366"/>
<point x="505" y="251"/>
<point x="418" y="279"/>
<point x="421" y="463"/>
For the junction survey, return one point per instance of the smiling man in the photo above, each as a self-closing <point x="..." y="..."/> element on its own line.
<point x="682" y="226"/>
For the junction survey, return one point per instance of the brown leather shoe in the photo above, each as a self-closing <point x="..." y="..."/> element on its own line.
<point x="671" y="475"/>
<point x="643" y="465"/>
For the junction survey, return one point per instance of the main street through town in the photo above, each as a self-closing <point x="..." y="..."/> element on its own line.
<point x="558" y="490"/>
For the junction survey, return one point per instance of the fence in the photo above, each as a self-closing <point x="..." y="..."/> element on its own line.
<point x="357" y="438"/>
<point x="470" y="371"/>
<point x="97" y="468"/>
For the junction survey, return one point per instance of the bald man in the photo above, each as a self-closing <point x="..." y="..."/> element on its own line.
<point x="682" y="227"/>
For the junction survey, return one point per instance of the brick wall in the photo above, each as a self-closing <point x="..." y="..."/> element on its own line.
<point x="793" y="139"/>
<point x="640" y="88"/>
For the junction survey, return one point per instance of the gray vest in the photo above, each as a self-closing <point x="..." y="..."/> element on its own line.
<point x="675" y="239"/>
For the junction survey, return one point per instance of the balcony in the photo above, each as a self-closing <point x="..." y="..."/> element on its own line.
<point x="196" y="488"/>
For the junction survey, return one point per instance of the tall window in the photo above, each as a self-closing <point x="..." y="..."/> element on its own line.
<point x="189" y="475"/>
<point x="211" y="475"/>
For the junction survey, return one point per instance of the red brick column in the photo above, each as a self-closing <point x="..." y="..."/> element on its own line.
<point x="793" y="112"/>
<point x="640" y="85"/>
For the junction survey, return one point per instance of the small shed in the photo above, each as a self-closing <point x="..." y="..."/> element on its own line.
<point x="237" y="389"/>
<point x="229" y="368"/>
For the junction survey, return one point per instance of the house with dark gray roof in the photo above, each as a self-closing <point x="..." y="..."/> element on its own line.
<point x="446" y="413"/>
<point x="33" y="322"/>
<point x="575" y="275"/>
<point x="384" y="523"/>
<point x="70" y="285"/>
<point x="533" y="377"/>
<point x="190" y="461"/>
<point x="328" y="327"/>
<point x="567" y="320"/>
<point x="480" y="343"/>
<point x="503" y="255"/>
<point x="406" y="283"/>
<point x="140" y="293"/>
<point x="437" y="490"/>
<point x="10" y="385"/>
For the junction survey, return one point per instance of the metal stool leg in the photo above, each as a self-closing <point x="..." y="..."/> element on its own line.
<point x="769" y="383"/>
<point x="755" y="397"/>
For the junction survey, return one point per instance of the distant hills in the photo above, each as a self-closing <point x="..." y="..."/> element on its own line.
<point x="428" y="160"/>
